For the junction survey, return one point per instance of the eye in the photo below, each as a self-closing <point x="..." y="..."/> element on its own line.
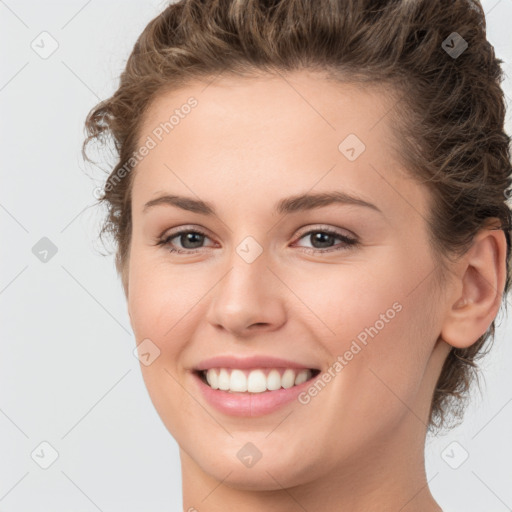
<point x="190" y="239"/>
<point x="323" y="239"/>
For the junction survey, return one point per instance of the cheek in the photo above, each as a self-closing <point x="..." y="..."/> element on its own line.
<point x="162" y="302"/>
<point x="383" y="326"/>
<point x="161" y="296"/>
<point x="353" y="301"/>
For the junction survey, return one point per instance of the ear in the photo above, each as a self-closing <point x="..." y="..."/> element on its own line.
<point x="478" y="289"/>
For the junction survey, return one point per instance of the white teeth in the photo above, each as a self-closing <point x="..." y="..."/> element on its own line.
<point x="255" y="381"/>
<point x="273" y="380"/>
<point x="238" y="381"/>
<point x="288" y="378"/>
<point x="223" y="380"/>
<point x="213" y="379"/>
<point x="302" y="376"/>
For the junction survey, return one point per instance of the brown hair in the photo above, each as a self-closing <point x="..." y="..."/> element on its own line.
<point x="448" y="100"/>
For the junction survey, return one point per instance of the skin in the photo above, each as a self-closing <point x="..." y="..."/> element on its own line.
<point x="359" y="444"/>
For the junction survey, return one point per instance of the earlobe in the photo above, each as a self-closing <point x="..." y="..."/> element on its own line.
<point x="477" y="299"/>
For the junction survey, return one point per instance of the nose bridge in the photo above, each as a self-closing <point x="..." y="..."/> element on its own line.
<point x="248" y="274"/>
<point x="247" y="294"/>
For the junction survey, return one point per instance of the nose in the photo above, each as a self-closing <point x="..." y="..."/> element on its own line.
<point x="248" y="299"/>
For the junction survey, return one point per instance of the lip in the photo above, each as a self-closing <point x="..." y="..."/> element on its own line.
<point x="249" y="404"/>
<point x="230" y="361"/>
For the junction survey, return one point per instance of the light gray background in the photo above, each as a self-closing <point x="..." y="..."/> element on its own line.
<point x="67" y="372"/>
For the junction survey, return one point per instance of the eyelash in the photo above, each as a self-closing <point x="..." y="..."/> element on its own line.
<point x="349" y="242"/>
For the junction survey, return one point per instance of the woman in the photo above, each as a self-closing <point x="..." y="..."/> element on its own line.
<point x="310" y="213"/>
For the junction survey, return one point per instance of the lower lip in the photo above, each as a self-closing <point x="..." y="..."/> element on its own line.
<point x="250" y="404"/>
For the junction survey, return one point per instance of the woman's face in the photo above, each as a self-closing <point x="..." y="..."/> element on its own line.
<point x="345" y="287"/>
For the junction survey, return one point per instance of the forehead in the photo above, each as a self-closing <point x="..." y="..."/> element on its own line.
<point x="296" y="131"/>
<point x="297" y="105"/>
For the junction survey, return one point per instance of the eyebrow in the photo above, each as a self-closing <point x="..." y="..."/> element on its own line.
<point x="301" y="202"/>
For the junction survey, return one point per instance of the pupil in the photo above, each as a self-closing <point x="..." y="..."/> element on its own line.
<point x="189" y="237"/>
<point x="320" y="237"/>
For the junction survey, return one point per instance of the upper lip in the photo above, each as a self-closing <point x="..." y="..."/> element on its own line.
<point x="230" y="361"/>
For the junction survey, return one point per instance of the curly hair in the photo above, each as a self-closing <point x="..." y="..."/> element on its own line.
<point x="433" y="55"/>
